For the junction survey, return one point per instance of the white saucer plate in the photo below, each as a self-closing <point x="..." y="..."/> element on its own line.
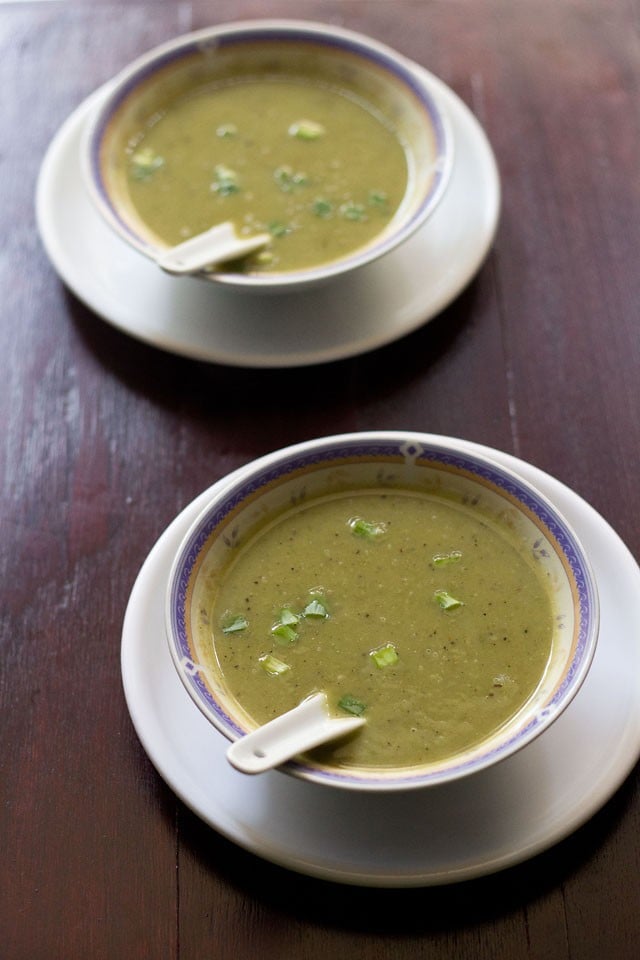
<point x="364" y="310"/>
<point x="438" y="835"/>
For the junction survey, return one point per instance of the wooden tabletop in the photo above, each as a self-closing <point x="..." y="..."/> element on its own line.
<point x="107" y="438"/>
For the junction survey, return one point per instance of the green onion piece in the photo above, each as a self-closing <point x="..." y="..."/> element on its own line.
<point x="273" y="666"/>
<point x="145" y="162"/>
<point x="226" y="181"/>
<point x="283" y="177"/>
<point x="446" y="601"/>
<point x="284" y="633"/>
<point x="322" y="208"/>
<point x="316" y="608"/>
<point x="278" y="229"/>
<point x="442" y="559"/>
<point x="367" y="528"/>
<point x="287" y="616"/>
<point x="353" y="211"/>
<point x="501" y="680"/>
<point x="378" y="198"/>
<point x="352" y="705"/>
<point x="226" y="130"/>
<point x="306" y="130"/>
<point x="384" y="656"/>
<point x="287" y="179"/>
<point x="235" y="624"/>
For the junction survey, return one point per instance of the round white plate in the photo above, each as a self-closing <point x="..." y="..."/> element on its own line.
<point x="373" y="306"/>
<point x="475" y="826"/>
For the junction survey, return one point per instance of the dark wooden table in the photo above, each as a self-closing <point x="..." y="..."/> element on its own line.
<point x="105" y="439"/>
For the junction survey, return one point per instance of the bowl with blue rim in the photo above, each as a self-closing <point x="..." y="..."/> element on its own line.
<point x="466" y="690"/>
<point x="329" y="143"/>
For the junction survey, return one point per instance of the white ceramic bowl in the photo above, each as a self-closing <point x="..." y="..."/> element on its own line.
<point x="393" y="84"/>
<point x="385" y="460"/>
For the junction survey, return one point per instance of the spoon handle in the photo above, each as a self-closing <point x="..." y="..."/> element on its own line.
<point x="217" y="245"/>
<point x="300" y="729"/>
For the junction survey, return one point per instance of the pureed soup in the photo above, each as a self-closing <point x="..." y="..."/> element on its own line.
<point x="316" y="167"/>
<point x="412" y="610"/>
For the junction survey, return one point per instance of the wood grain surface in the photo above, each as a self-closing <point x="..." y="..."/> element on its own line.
<point x="105" y="439"/>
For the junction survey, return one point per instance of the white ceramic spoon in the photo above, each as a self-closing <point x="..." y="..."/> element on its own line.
<point x="306" y="726"/>
<point x="217" y="245"/>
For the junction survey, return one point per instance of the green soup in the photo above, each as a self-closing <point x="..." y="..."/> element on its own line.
<point x="408" y="609"/>
<point x="317" y="168"/>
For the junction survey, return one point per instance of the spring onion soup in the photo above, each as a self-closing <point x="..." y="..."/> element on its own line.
<point x="316" y="167"/>
<point x="409" y="609"/>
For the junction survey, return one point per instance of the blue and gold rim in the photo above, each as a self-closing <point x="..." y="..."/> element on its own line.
<point x="389" y="449"/>
<point x="281" y="32"/>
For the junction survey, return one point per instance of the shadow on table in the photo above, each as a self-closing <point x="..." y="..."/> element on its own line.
<point x="410" y="911"/>
<point x="198" y="389"/>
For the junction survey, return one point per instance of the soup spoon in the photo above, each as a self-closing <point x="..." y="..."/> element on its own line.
<point x="217" y="245"/>
<point x="306" y="726"/>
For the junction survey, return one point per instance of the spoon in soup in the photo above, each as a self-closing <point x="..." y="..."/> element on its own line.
<point x="217" y="245"/>
<point x="306" y="726"/>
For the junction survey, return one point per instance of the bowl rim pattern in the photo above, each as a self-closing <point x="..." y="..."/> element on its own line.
<point x="395" y="445"/>
<point x="251" y="31"/>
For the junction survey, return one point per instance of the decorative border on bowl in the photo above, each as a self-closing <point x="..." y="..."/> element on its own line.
<point x="297" y="33"/>
<point x="399" y="451"/>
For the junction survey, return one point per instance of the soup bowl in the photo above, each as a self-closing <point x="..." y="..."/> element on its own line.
<point x="359" y="73"/>
<point x="436" y="470"/>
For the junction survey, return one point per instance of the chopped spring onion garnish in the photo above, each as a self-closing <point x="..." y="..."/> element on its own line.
<point x="263" y="257"/>
<point x="277" y="229"/>
<point x="442" y="559"/>
<point x="446" y="601"/>
<point x="235" y="624"/>
<point x="284" y="633"/>
<point x="287" y="179"/>
<point x="316" y="608"/>
<point x="322" y="208"/>
<point x="287" y="616"/>
<point x="226" y="130"/>
<point x="384" y="656"/>
<point x="273" y="666"/>
<point x="352" y="705"/>
<point x="145" y="162"/>
<point x="378" y="198"/>
<point x="367" y="528"/>
<point x="353" y="211"/>
<point x="226" y="181"/>
<point x="306" y="130"/>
